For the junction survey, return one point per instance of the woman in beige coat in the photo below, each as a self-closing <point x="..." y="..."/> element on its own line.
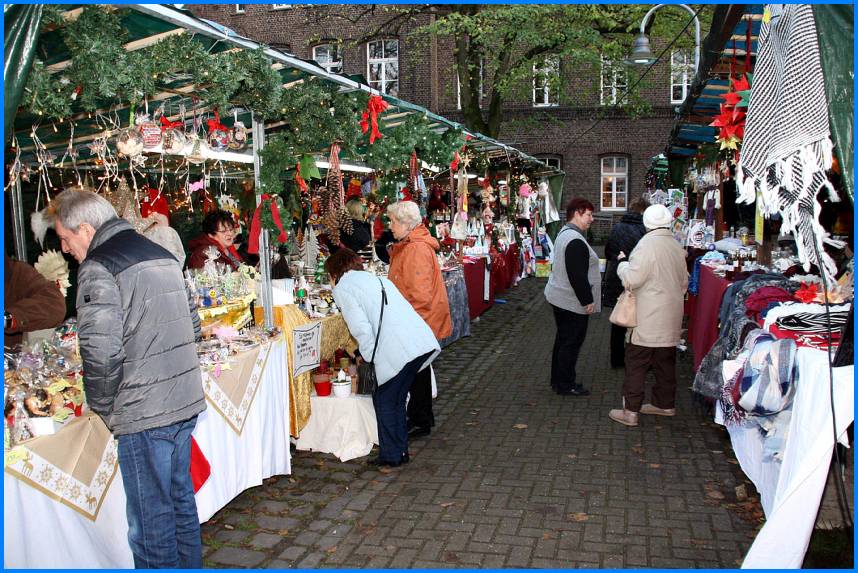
<point x="656" y="274"/>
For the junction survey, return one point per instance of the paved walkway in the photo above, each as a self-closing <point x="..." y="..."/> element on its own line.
<point x="512" y="476"/>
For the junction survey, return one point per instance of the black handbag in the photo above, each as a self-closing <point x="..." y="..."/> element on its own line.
<point x="367" y="380"/>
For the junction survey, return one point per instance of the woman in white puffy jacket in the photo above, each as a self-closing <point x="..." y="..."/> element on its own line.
<point x="406" y="345"/>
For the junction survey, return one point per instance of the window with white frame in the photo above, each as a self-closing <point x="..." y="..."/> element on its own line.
<point x="681" y="75"/>
<point x="546" y="82"/>
<point x="614" y="82"/>
<point x="615" y="182"/>
<point x="481" y="86"/>
<point x="239" y="8"/>
<point x="329" y="56"/>
<point x="280" y="6"/>
<point x="382" y="63"/>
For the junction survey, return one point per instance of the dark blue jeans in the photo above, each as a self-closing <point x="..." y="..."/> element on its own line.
<point x="389" y="403"/>
<point x="163" y="526"/>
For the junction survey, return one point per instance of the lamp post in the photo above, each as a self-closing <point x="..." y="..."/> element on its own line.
<point x="641" y="53"/>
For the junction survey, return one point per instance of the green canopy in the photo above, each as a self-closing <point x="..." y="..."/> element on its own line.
<point x="836" y="44"/>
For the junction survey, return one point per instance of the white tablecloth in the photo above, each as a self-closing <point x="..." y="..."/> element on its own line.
<point x="345" y="427"/>
<point x="791" y="491"/>
<point x="42" y="533"/>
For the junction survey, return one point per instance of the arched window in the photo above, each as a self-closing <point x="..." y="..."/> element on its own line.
<point x="329" y="56"/>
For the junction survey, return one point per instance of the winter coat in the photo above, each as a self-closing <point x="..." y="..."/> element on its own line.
<point x="415" y="271"/>
<point x="200" y="244"/>
<point x="624" y="237"/>
<point x="33" y="300"/>
<point x="359" y="238"/>
<point x="137" y="327"/>
<point x="575" y="281"/>
<point x="656" y="274"/>
<point x="404" y="335"/>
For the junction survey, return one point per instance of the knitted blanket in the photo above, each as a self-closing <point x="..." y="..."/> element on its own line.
<point x="787" y="146"/>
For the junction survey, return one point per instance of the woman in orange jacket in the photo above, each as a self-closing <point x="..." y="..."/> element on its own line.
<point x="415" y="271"/>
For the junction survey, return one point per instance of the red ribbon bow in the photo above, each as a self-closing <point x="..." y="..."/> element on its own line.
<point x="455" y="163"/>
<point x="256" y="225"/>
<point x="167" y="124"/>
<point x="215" y="124"/>
<point x="375" y="106"/>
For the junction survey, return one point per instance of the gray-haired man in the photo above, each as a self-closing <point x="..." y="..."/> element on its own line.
<point x="137" y="329"/>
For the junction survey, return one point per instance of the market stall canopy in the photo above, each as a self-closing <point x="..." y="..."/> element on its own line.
<point x="730" y="47"/>
<point x="144" y="26"/>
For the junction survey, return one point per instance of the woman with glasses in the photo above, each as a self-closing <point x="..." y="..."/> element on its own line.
<point x="218" y="236"/>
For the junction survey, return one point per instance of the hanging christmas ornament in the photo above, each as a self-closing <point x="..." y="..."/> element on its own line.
<point x="129" y="142"/>
<point x="150" y="131"/>
<point x="173" y="137"/>
<point x="195" y="148"/>
<point x="218" y="134"/>
<point x="237" y="136"/>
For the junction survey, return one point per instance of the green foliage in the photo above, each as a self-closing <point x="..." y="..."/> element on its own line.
<point x="312" y="125"/>
<point x="103" y="73"/>
<point x="46" y="96"/>
<point x="511" y="38"/>
<point x="393" y="151"/>
<point x="266" y="219"/>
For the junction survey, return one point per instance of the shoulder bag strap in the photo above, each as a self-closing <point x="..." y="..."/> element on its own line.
<point x="380" y="319"/>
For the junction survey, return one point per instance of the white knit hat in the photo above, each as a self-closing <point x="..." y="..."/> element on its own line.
<point x="656" y="217"/>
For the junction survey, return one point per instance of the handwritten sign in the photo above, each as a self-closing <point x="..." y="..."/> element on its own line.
<point x="305" y="347"/>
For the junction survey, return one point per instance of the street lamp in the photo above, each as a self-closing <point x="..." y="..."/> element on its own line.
<point x="641" y="53"/>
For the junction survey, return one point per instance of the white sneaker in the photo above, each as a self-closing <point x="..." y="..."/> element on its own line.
<point x="650" y="409"/>
<point x="624" y="417"/>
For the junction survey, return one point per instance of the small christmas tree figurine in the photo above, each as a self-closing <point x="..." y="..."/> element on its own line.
<point x="311" y="251"/>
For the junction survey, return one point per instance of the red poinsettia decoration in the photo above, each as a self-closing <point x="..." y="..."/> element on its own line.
<point x="807" y="293"/>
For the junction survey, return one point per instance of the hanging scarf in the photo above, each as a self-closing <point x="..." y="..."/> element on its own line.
<point x="787" y="146"/>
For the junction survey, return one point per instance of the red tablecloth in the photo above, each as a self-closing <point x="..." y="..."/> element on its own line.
<point x="703" y="321"/>
<point x="505" y="269"/>
<point x="475" y="277"/>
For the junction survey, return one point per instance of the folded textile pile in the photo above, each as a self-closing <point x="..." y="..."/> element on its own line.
<point x="761" y="388"/>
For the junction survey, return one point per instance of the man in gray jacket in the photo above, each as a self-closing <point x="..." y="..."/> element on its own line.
<point x="137" y="328"/>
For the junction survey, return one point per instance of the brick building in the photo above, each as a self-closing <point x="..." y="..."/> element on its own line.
<point x="605" y="160"/>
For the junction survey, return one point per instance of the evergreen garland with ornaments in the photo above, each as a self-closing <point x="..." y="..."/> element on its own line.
<point x="102" y="72"/>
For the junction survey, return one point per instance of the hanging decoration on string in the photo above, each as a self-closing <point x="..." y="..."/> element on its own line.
<point x="369" y="118"/>
<point x="332" y="199"/>
<point x="218" y="134"/>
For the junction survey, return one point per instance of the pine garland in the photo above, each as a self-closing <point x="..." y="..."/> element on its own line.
<point x="392" y="152"/>
<point x="102" y="72"/>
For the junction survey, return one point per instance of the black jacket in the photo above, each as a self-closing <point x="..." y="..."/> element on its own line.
<point x="624" y="237"/>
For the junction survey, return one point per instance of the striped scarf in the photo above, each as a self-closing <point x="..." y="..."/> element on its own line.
<point x="787" y="146"/>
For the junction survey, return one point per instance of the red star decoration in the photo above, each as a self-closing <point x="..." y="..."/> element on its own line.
<point x="731" y="98"/>
<point x="741" y="84"/>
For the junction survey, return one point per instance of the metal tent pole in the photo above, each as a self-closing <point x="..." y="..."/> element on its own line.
<point x="18" y="221"/>
<point x="264" y="251"/>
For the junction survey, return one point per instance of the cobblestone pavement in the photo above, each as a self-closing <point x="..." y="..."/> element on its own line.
<point x="512" y="475"/>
